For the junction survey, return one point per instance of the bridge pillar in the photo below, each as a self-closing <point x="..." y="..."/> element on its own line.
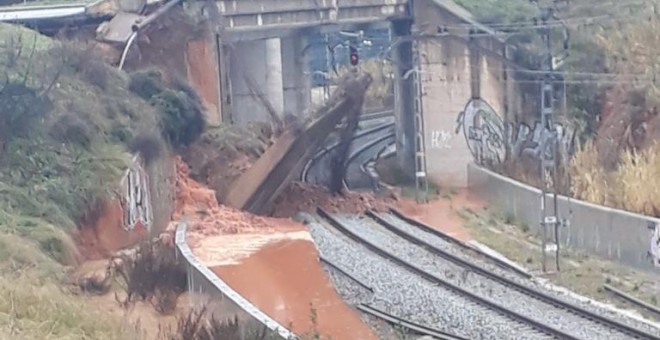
<point x="256" y="71"/>
<point x="404" y="98"/>
<point x="296" y="76"/>
<point x="456" y="68"/>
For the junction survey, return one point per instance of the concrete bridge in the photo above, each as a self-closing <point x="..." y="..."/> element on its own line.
<point x="442" y="57"/>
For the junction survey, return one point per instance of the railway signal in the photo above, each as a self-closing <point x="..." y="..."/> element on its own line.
<point x="354" y="55"/>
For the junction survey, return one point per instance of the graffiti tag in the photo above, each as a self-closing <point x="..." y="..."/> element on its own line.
<point x="135" y="203"/>
<point x="491" y="140"/>
<point x="654" y="246"/>
<point x="440" y="139"/>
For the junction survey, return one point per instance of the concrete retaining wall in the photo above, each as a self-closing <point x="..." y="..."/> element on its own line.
<point x="610" y="233"/>
<point x="225" y="303"/>
<point x="161" y="174"/>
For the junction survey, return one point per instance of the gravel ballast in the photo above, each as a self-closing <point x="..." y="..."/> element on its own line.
<point x="408" y="296"/>
<point x="478" y="284"/>
<point x="440" y="243"/>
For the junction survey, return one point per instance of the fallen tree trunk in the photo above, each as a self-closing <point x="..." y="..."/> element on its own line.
<point x="258" y="187"/>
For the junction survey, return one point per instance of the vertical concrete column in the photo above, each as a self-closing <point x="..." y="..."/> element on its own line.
<point x="260" y="61"/>
<point x="404" y="99"/>
<point x="274" y="88"/>
<point x="296" y="76"/>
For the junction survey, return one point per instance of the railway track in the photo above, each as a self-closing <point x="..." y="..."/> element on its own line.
<point x="511" y="284"/>
<point x="452" y="241"/>
<point x="314" y="170"/>
<point x="522" y="319"/>
<point x="387" y="317"/>
<point x="357" y="176"/>
<point x="401" y="322"/>
<point x="585" y="324"/>
<point x="366" y="117"/>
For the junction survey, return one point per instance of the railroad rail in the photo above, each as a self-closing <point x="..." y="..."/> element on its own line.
<point x="376" y="115"/>
<point x="538" y="295"/>
<point x="304" y="175"/>
<point x="631" y="299"/>
<point x="345" y="273"/>
<point x="540" y="326"/>
<point x="455" y="241"/>
<point x="394" y="320"/>
<point x="359" y="152"/>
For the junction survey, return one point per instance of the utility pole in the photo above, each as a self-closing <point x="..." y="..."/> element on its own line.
<point x="549" y="157"/>
<point x="421" y="181"/>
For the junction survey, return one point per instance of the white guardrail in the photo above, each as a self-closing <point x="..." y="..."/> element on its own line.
<point x="627" y="238"/>
<point x="224" y="302"/>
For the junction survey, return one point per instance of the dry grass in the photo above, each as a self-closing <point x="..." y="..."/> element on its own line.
<point x="589" y="179"/>
<point x="33" y="310"/>
<point x="634" y="185"/>
<point x="638" y="181"/>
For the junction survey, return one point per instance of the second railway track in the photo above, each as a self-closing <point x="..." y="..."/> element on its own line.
<point x="545" y="313"/>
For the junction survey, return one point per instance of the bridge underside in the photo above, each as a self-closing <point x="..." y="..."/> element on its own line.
<point x="246" y="15"/>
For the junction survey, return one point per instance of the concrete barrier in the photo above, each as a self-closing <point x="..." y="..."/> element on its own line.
<point x="223" y="302"/>
<point x="617" y="235"/>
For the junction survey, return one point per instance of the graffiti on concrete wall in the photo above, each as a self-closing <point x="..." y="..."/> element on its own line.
<point x="136" y="203"/>
<point x="654" y="246"/>
<point x="491" y="140"/>
<point x="440" y="139"/>
<point x="484" y="132"/>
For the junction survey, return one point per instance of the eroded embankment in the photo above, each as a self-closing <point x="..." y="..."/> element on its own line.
<point x="270" y="261"/>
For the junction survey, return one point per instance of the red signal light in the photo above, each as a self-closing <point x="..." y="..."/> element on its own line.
<point x="354" y="56"/>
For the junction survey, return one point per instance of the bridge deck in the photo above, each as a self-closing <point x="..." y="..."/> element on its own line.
<point x="242" y="15"/>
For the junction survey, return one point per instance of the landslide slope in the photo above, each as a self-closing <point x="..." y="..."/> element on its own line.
<point x="67" y="122"/>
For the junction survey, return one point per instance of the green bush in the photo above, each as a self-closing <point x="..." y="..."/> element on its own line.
<point x="147" y="84"/>
<point x="182" y="121"/>
<point x="148" y="145"/>
<point x="20" y="106"/>
<point x="181" y="114"/>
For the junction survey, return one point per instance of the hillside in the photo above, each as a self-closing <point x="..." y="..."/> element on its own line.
<point x="612" y="95"/>
<point x="67" y="123"/>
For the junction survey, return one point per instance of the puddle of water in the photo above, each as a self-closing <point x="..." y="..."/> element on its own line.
<point x="284" y="279"/>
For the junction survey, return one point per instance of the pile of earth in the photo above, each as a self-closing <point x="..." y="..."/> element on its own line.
<point x="197" y="206"/>
<point x="302" y="197"/>
<point x="222" y="154"/>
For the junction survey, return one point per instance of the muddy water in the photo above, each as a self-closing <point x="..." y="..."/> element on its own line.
<point x="284" y="279"/>
<point x="442" y="213"/>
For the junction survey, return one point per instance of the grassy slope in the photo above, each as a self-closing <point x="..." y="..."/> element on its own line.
<point x="66" y="120"/>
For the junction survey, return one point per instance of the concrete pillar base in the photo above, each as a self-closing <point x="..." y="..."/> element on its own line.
<point x="296" y="76"/>
<point x="257" y="63"/>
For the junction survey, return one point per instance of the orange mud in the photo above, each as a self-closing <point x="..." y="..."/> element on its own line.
<point x="108" y="234"/>
<point x="270" y="261"/>
<point x="299" y="197"/>
<point x="209" y="220"/>
<point x="442" y="213"/>
<point x="284" y="279"/>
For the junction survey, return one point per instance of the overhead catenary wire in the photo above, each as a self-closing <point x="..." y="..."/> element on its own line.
<point x="530" y="24"/>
